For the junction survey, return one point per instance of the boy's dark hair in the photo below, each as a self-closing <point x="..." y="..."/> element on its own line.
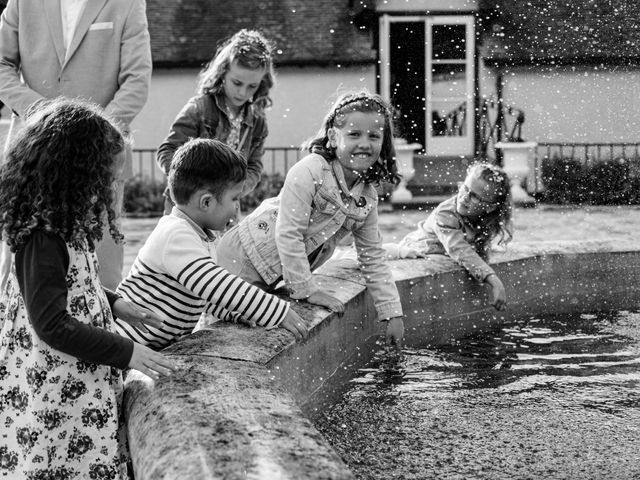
<point x="58" y="174"/>
<point x="204" y="163"/>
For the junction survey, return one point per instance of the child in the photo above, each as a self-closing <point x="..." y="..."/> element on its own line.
<point x="464" y="226"/>
<point x="326" y="195"/>
<point x="176" y="274"/>
<point x="233" y="92"/>
<point x="60" y="387"/>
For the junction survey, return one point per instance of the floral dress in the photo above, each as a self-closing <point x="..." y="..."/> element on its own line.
<point x="59" y="414"/>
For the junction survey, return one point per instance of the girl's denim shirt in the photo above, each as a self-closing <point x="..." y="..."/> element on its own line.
<point x="309" y="218"/>
<point x="445" y="231"/>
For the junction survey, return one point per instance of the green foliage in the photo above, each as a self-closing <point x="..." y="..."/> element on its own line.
<point x="143" y="196"/>
<point x="610" y="182"/>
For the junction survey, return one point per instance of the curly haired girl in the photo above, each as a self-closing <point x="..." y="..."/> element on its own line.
<point x="59" y="391"/>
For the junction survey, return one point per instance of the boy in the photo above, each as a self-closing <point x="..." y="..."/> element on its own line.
<point x="175" y="273"/>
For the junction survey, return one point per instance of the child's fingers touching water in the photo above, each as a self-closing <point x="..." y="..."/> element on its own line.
<point x="395" y="333"/>
<point x="498" y="293"/>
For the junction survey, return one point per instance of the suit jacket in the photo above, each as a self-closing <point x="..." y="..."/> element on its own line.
<point x="109" y="60"/>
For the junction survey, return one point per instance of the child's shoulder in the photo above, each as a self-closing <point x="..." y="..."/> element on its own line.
<point x="314" y="162"/>
<point x="445" y="214"/>
<point x="168" y="226"/>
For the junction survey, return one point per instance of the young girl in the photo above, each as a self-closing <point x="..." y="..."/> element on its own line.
<point x="233" y="92"/>
<point x="59" y="391"/>
<point x="326" y="195"/>
<point x="464" y="226"/>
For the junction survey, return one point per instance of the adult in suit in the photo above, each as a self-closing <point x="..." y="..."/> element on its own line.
<point x="97" y="50"/>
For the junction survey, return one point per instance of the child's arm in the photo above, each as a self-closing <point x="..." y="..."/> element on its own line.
<point x="376" y="270"/>
<point x="256" y="152"/>
<point x="131" y="313"/>
<point x="498" y="294"/>
<point x="41" y="267"/>
<point x="394" y="251"/>
<point x="184" y="127"/>
<point x="377" y="274"/>
<point x="296" y="200"/>
<point x="186" y="259"/>
<point x="449" y="232"/>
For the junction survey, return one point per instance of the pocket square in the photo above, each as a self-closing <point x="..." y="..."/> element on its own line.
<point x="101" y="26"/>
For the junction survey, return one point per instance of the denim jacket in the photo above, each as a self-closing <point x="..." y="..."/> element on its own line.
<point x="204" y="116"/>
<point x="307" y="220"/>
<point x="447" y="232"/>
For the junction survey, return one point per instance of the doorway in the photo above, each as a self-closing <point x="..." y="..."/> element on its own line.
<point x="427" y="74"/>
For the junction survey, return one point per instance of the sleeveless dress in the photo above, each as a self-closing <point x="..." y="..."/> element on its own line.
<point x="59" y="415"/>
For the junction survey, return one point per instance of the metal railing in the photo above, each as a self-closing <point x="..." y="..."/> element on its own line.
<point x="453" y="124"/>
<point x="275" y="160"/>
<point x="586" y="153"/>
<point x="498" y="123"/>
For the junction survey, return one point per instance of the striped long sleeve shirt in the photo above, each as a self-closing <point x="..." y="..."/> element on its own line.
<point x="176" y="276"/>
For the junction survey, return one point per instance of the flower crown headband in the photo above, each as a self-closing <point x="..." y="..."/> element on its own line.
<point x="246" y="41"/>
<point x="359" y="98"/>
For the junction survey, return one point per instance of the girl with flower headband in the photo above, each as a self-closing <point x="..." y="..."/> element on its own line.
<point x="233" y="92"/>
<point x="464" y="226"/>
<point x="326" y="195"/>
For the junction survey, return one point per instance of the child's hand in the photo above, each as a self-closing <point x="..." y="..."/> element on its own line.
<point x="326" y="300"/>
<point x="151" y="363"/>
<point x="409" y="252"/>
<point x="136" y="316"/>
<point x="498" y="294"/>
<point x="295" y="324"/>
<point x="395" y="333"/>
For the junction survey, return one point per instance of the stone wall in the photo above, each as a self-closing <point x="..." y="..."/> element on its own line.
<point x="236" y="408"/>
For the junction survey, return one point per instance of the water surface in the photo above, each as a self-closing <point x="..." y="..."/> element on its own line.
<point x="544" y="398"/>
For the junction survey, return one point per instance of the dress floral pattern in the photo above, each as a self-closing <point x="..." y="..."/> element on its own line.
<point x="58" y="414"/>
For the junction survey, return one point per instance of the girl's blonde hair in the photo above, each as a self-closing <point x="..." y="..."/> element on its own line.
<point x="496" y="223"/>
<point x="58" y="174"/>
<point x="385" y="169"/>
<point x="251" y="50"/>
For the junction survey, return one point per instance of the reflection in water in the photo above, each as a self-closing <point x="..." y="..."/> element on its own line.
<point x="546" y="398"/>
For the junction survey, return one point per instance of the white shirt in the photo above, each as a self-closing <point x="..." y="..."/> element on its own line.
<point x="70" y="11"/>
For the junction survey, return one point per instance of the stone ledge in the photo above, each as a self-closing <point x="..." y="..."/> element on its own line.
<point x="235" y="409"/>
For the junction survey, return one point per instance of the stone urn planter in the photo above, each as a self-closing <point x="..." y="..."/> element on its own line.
<point x="404" y="161"/>
<point x="518" y="161"/>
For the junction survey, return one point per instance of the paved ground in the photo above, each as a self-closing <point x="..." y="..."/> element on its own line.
<point x="543" y="223"/>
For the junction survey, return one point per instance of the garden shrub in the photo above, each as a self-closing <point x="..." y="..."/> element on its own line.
<point x="143" y="196"/>
<point x="610" y="182"/>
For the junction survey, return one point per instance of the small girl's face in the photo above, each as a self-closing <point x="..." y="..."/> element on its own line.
<point x="476" y="197"/>
<point x="240" y="84"/>
<point x="358" y="141"/>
